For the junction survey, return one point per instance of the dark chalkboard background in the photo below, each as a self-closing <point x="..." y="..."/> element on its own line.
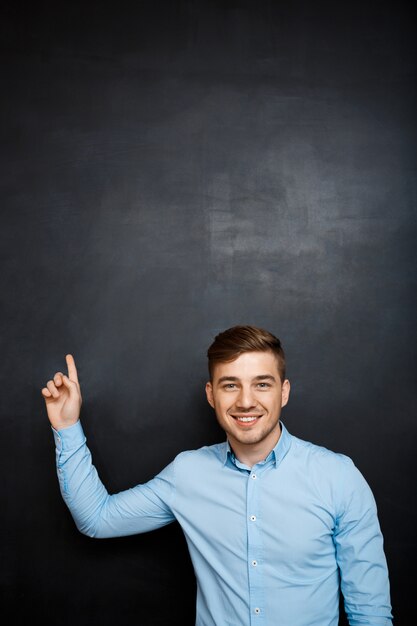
<point x="170" y="169"/>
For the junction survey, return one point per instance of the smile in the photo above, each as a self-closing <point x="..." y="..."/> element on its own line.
<point x="247" y="420"/>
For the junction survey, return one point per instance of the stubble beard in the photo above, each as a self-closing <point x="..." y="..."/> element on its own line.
<point x="251" y="438"/>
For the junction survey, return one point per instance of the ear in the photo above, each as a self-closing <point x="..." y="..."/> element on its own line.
<point x="209" y="394"/>
<point x="285" y="394"/>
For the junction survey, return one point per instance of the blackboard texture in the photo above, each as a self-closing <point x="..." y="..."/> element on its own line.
<point x="170" y="169"/>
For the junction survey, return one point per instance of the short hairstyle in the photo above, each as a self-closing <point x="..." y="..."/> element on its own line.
<point x="231" y="343"/>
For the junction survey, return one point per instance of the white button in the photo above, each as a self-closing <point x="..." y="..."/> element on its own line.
<point x="254" y="563"/>
<point x="60" y="470"/>
<point x="253" y="518"/>
<point x="253" y="476"/>
<point x="257" y="611"/>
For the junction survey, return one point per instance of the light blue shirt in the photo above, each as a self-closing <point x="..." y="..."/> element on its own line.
<point x="271" y="545"/>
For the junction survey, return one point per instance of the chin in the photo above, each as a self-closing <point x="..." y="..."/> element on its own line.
<point x="249" y="440"/>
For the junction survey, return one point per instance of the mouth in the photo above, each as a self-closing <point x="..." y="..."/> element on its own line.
<point x="246" y="420"/>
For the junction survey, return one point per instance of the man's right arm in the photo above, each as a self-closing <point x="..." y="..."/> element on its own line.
<point x="97" y="513"/>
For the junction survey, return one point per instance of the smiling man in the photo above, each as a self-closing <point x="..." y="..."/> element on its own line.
<point x="247" y="395"/>
<point x="275" y="526"/>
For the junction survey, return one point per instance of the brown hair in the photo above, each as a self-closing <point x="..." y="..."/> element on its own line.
<point x="233" y="342"/>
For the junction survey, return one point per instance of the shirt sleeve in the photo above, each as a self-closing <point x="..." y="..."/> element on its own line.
<point x="360" y="554"/>
<point x="97" y="513"/>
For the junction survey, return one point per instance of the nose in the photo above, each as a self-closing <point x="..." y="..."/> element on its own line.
<point x="245" y="399"/>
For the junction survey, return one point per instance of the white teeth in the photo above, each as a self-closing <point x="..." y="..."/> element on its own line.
<point x="246" y="419"/>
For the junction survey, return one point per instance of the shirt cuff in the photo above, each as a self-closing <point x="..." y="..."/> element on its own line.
<point x="67" y="438"/>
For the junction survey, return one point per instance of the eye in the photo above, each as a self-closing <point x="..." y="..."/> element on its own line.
<point x="229" y="386"/>
<point x="264" y="385"/>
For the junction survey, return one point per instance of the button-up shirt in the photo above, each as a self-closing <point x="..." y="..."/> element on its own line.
<point x="271" y="545"/>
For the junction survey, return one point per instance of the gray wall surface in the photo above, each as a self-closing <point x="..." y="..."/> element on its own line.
<point x="170" y="169"/>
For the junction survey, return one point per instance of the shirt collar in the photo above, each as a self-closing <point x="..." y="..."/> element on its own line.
<point x="277" y="453"/>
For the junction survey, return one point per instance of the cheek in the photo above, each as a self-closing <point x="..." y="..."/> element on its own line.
<point x="222" y="405"/>
<point x="273" y="404"/>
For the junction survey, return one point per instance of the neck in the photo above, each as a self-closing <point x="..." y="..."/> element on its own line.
<point x="252" y="453"/>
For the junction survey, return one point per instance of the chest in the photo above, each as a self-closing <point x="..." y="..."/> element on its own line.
<point x="239" y="511"/>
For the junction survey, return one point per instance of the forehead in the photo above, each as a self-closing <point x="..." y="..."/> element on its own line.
<point x="248" y="365"/>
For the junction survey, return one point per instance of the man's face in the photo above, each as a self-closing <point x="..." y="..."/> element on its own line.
<point x="247" y="396"/>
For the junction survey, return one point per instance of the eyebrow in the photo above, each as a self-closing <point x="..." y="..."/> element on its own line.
<point x="223" y="379"/>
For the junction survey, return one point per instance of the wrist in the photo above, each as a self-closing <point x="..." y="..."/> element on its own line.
<point x="61" y="425"/>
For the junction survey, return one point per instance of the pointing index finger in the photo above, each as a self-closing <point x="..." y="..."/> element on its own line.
<point x="72" y="370"/>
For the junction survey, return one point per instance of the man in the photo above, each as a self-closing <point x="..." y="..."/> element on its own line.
<point x="275" y="526"/>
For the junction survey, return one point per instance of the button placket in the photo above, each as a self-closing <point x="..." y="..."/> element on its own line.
<point x="255" y="552"/>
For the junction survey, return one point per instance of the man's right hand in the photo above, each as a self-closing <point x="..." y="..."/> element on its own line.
<point x="62" y="397"/>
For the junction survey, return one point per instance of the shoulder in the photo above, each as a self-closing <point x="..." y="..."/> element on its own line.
<point x="195" y="468"/>
<point x="321" y="461"/>
<point x="331" y="475"/>
<point x="313" y="450"/>
<point x="334" y="468"/>
<point x="205" y="454"/>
